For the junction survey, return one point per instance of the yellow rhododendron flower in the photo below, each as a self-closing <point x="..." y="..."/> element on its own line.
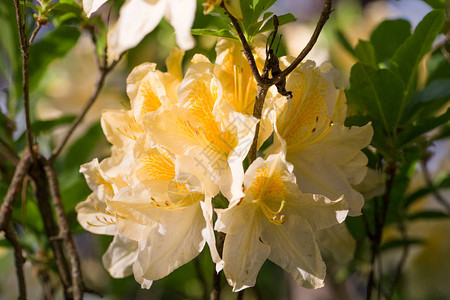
<point x="159" y="215"/>
<point x="275" y="221"/>
<point x="211" y="138"/>
<point x="234" y="73"/>
<point x="310" y="129"/>
<point x="139" y="17"/>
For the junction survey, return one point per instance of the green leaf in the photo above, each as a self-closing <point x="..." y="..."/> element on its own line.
<point x="214" y="32"/>
<point x="410" y="53"/>
<point x="436" y="4"/>
<point x="440" y="183"/>
<point x="430" y="100"/>
<point x="81" y="150"/>
<point x="398" y="243"/>
<point x="260" y="7"/>
<point x="388" y="36"/>
<point x="438" y="65"/>
<point x="428" y="214"/>
<point x="54" y="45"/>
<point x="365" y="52"/>
<point x="342" y="39"/>
<point x="39" y="127"/>
<point x="375" y="93"/>
<point x="422" y="126"/>
<point x="283" y="19"/>
<point x="43" y="126"/>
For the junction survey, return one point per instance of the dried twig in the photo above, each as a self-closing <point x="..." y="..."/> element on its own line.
<point x="20" y="260"/>
<point x="380" y="220"/>
<point x="77" y="279"/>
<point x="38" y="27"/>
<point x="402" y="261"/>
<point x="13" y="190"/>
<point x="217" y="276"/>
<point x="39" y="185"/>
<point x="326" y="11"/>
<point x="24" y="50"/>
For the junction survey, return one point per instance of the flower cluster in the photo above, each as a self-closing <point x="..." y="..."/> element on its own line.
<point x="184" y="141"/>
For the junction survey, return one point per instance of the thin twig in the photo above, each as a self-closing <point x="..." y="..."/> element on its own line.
<point x="247" y="50"/>
<point x="326" y="11"/>
<point x="20" y="260"/>
<point x="101" y="81"/>
<point x="13" y="190"/>
<point x="38" y="27"/>
<point x="217" y="276"/>
<point x="8" y="153"/>
<point x="380" y="220"/>
<point x="429" y="181"/>
<point x="257" y="113"/>
<point x="402" y="261"/>
<point x="24" y="50"/>
<point x="240" y="295"/>
<point x="39" y="185"/>
<point x="77" y="279"/>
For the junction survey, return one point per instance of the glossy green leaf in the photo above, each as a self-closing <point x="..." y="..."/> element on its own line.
<point x="283" y="19"/>
<point x="428" y="214"/>
<point x="365" y="52"/>
<point x="388" y="36"/>
<point x="214" y="32"/>
<point x="429" y="101"/>
<point x="440" y="183"/>
<point x="421" y="127"/>
<point x="399" y="243"/>
<point x="81" y="150"/>
<point x="342" y="39"/>
<point x="436" y="4"/>
<point x="407" y="57"/>
<point x="376" y="93"/>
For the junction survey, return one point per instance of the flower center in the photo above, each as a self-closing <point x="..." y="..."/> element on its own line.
<point x="269" y="193"/>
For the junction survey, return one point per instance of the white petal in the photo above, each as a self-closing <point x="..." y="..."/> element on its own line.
<point x="178" y="240"/>
<point x="120" y="256"/>
<point x="137" y="18"/>
<point x="92" y="216"/>
<point x="337" y="242"/>
<point x="243" y="251"/>
<point x="294" y="248"/>
<point x="322" y="177"/>
<point x="181" y="14"/>
<point x="321" y="212"/>
<point x="91" y="6"/>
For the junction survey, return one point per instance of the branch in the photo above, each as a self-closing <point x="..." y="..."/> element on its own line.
<point x="326" y="11"/>
<point x="77" y="280"/>
<point x="13" y="190"/>
<point x="40" y="188"/>
<point x="38" y="27"/>
<point x="20" y="260"/>
<point x="101" y="81"/>
<point x="217" y="276"/>
<point x="379" y="225"/>
<point x="402" y="261"/>
<point x="257" y="113"/>
<point x="247" y="50"/>
<point x="24" y="49"/>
